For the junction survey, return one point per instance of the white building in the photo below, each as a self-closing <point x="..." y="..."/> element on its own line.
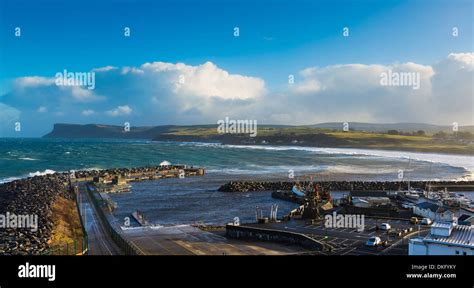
<point x="434" y="211"/>
<point x="444" y="239"/>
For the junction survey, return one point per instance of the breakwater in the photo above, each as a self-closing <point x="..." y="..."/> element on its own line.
<point x="33" y="197"/>
<point x="139" y="173"/>
<point x="249" y="186"/>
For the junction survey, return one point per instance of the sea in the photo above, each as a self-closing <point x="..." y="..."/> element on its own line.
<point x="196" y="199"/>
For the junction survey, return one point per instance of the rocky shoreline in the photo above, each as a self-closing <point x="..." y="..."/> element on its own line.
<point x="250" y="186"/>
<point x="31" y="196"/>
<point x="35" y="196"/>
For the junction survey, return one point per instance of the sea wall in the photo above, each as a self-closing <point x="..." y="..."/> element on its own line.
<point x="33" y="197"/>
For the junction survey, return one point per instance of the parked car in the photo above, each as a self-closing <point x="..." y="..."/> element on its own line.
<point x="426" y="221"/>
<point x="385" y="226"/>
<point x="407" y="205"/>
<point x="414" y="220"/>
<point x="373" y="241"/>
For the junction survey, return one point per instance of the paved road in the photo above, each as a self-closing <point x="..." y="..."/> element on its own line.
<point x="348" y="241"/>
<point x="100" y="242"/>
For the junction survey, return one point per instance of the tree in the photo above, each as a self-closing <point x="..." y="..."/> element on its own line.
<point x="420" y="133"/>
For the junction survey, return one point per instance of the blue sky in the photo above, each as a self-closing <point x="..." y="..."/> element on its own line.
<point x="277" y="38"/>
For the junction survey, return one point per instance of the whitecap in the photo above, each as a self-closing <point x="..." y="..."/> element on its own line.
<point x="39" y="173"/>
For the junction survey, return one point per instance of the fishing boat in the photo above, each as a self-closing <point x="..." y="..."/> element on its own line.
<point x="412" y="195"/>
<point x="297" y="192"/>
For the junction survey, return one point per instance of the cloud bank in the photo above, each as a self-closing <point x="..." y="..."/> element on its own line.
<point x="176" y="93"/>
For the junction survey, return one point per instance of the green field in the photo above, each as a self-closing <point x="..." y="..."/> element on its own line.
<point x="307" y="136"/>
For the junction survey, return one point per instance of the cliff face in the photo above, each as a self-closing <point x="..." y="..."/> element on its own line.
<point x="158" y="133"/>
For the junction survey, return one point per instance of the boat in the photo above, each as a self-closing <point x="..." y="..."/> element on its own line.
<point x="412" y="195"/>
<point x="297" y="192"/>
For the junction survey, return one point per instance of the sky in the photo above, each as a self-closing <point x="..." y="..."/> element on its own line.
<point x="184" y="64"/>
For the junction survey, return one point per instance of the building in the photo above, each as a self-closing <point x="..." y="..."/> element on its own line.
<point x="445" y="238"/>
<point x="119" y="180"/>
<point x="434" y="212"/>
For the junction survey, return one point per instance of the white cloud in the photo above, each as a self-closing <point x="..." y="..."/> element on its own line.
<point x="81" y="94"/>
<point x="308" y="86"/>
<point x="353" y="92"/>
<point x="453" y="88"/>
<point x="87" y="112"/>
<point x="42" y="109"/>
<point x="207" y="80"/>
<point x="45" y="89"/>
<point x="120" y="111"/>
<point x="177" y="93"/>
<point x="33" y="81"/>
<point x="104" y="69"/>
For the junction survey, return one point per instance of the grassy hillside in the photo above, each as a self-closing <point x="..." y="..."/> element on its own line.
<point x="307" y="136"/>
<point x="414" y="139"/>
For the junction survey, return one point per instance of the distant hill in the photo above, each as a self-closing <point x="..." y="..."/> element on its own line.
<point x="112" y="131"/>
<point x="152" y="132"/>
<point x="405" y="127"/>
<point x="361" y="135"/>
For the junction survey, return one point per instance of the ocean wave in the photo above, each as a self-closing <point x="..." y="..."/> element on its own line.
<point x="88" y="169"/>
<point x="31" y="174"/>
<point x="41" y="173"/>
<point x="28" y="159"/>
<point x="346" y="169"/>
<point x="463" y="161"/>
<point x="260" y="169"/>
<point x="8" y="179"/>
<point x="235" y="171"/>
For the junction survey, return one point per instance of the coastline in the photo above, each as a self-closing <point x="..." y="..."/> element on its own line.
<point x="465" y="162"/>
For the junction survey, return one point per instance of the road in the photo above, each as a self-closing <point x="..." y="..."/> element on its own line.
<point x="100" y="242"/>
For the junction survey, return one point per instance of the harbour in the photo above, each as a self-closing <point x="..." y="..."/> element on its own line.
<point x="304" y="232"/>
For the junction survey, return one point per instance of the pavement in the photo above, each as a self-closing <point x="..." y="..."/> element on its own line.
<point x="100" y="243"/>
